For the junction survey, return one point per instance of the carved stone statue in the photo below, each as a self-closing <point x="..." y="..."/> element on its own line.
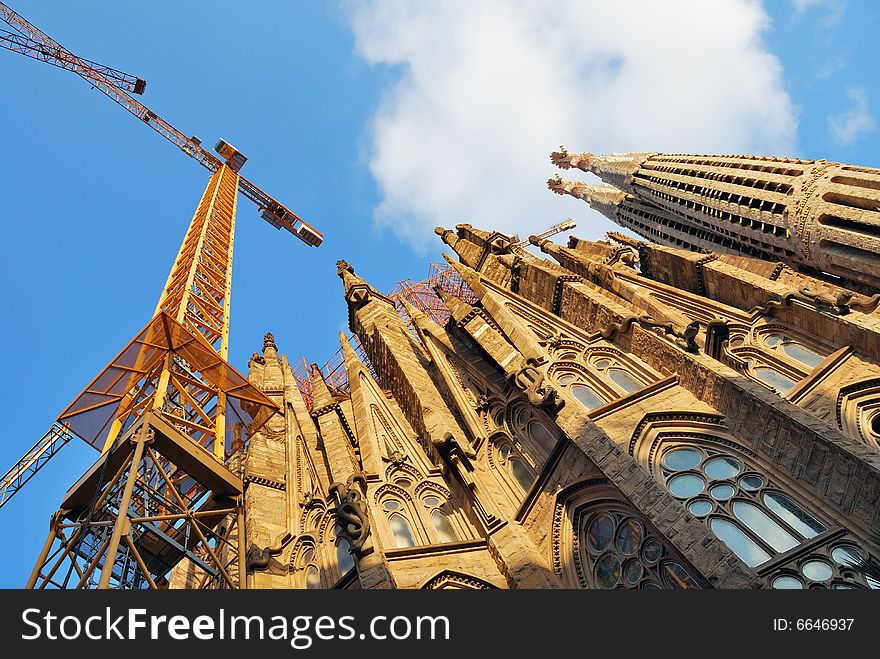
<point x="351" y="512"/>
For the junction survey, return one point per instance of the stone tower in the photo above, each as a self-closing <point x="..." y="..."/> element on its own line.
<point x="815" y="216"/>
<point x="607" y="414"/>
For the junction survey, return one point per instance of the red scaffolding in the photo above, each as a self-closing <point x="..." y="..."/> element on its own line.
<point x="421" y="294"/>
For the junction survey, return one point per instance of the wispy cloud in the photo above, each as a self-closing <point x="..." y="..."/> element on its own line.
<point x="485" y="90"/>
<point x="855" y="122"/>
<point x="830" y="67"/>
<point x="833" y="10"/>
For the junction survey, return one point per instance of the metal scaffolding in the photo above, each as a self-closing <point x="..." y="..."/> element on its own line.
<point x="421" y="294"/>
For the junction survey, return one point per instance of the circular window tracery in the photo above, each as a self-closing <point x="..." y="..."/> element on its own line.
<point x="620" y="553"/>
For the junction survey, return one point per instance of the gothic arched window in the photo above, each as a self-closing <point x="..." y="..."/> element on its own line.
<point x="607" y="376"/>
<point x="784" y="345"/>
<point x="344" y="559"/>
<point x="515" y="466"/>
<point x="775" y="355"/>
<point x="620" y="553"/>
<point x="607" y="543"/>
<point x="401" y="530"/>
<point x="759" y="519"/>
<point x="309" y="567"/>
<point x="444" y="529"/>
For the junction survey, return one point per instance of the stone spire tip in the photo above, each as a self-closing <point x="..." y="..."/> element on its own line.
<point x="269" y="341"/>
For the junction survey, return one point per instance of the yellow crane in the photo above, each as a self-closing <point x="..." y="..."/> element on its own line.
<point x="169" y="413"/>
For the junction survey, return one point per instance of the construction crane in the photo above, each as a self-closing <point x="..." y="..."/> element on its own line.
<point x="108" y="82"/>
<point x="56" y="55"/>
<point x="33" y="42"/>
<point x="565" y="225"/>
<point x="169" y="413"/>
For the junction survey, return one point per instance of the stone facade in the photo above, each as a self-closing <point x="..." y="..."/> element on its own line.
<point x="812" y="215"/>
<point x="608" y="414"/>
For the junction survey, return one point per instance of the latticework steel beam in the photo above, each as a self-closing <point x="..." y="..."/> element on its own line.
<point x="31" y="462"/>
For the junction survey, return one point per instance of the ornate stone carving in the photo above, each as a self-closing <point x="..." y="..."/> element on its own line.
<point x="397" y="459"/>
<point x="539" y="393"/>
<point x="343" y="266"/>
<point x="685" y="339"/>
<point x="839" y="306"/>
<point x="259" y="558"/>
<point x="269" y="341"/>
<point x="351" y="512"/>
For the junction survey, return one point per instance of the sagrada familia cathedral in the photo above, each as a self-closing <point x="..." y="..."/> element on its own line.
<point x="700" y="409"/>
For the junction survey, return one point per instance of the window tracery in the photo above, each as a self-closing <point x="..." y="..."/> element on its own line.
<point x="759" y="518"/>
<point x="599" y="377"/>
<point x="398" y="523"/>
<point x="420" y="515"/>
<point x="775" y="355"/>
<point x="509" y="461"/>
<point x="602" y="541"/>
<point x="308" y="566"/>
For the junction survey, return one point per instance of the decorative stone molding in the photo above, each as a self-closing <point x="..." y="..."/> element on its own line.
<point x="532" y="383"/>
<point x="700" y="275"/>
<point x="265" y="482"/>
<point x="685" y="339"/>
<point x="449" y="578"/>
<point x="557" y="291"/>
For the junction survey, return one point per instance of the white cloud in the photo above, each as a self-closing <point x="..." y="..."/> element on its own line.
<point x="485" y="90"/>
<point x="855" y="122"/>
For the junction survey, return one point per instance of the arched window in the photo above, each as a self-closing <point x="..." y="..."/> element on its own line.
<point x="755" y="517"/>
<point x="344" y="559"/>
<point x="602" y="541"/>
<point x="773" y="378"/>
<point x="516" y="467"/>
<point x="775" y="356"/>
<point x="313" y="578"/>
<point x="608" y="377"/>
<point x="621" y="554"/>
<point x="613" y="369"/>
<point x="401" y="531"/>
<point x="783" y="344"/>
<point x="310" y="570"/>
<point x="440" y="520"/>
<point x="531" y="432"/>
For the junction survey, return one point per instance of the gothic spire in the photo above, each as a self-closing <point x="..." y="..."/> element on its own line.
<point x="614" y="168"/>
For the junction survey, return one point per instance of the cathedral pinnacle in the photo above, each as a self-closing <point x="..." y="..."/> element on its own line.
<point x="269" y="341"/>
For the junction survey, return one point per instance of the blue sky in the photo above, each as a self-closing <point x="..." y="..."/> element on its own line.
<point x="374" y="122"/>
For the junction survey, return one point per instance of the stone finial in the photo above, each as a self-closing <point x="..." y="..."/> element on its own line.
<point x="566" y="160"/>
<point x="538" y="242"/>
<point x="343" y="266"/>
<point x="448" y="236"/>
<point x="558" y="184"/>
<point x="269" y="341"/>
